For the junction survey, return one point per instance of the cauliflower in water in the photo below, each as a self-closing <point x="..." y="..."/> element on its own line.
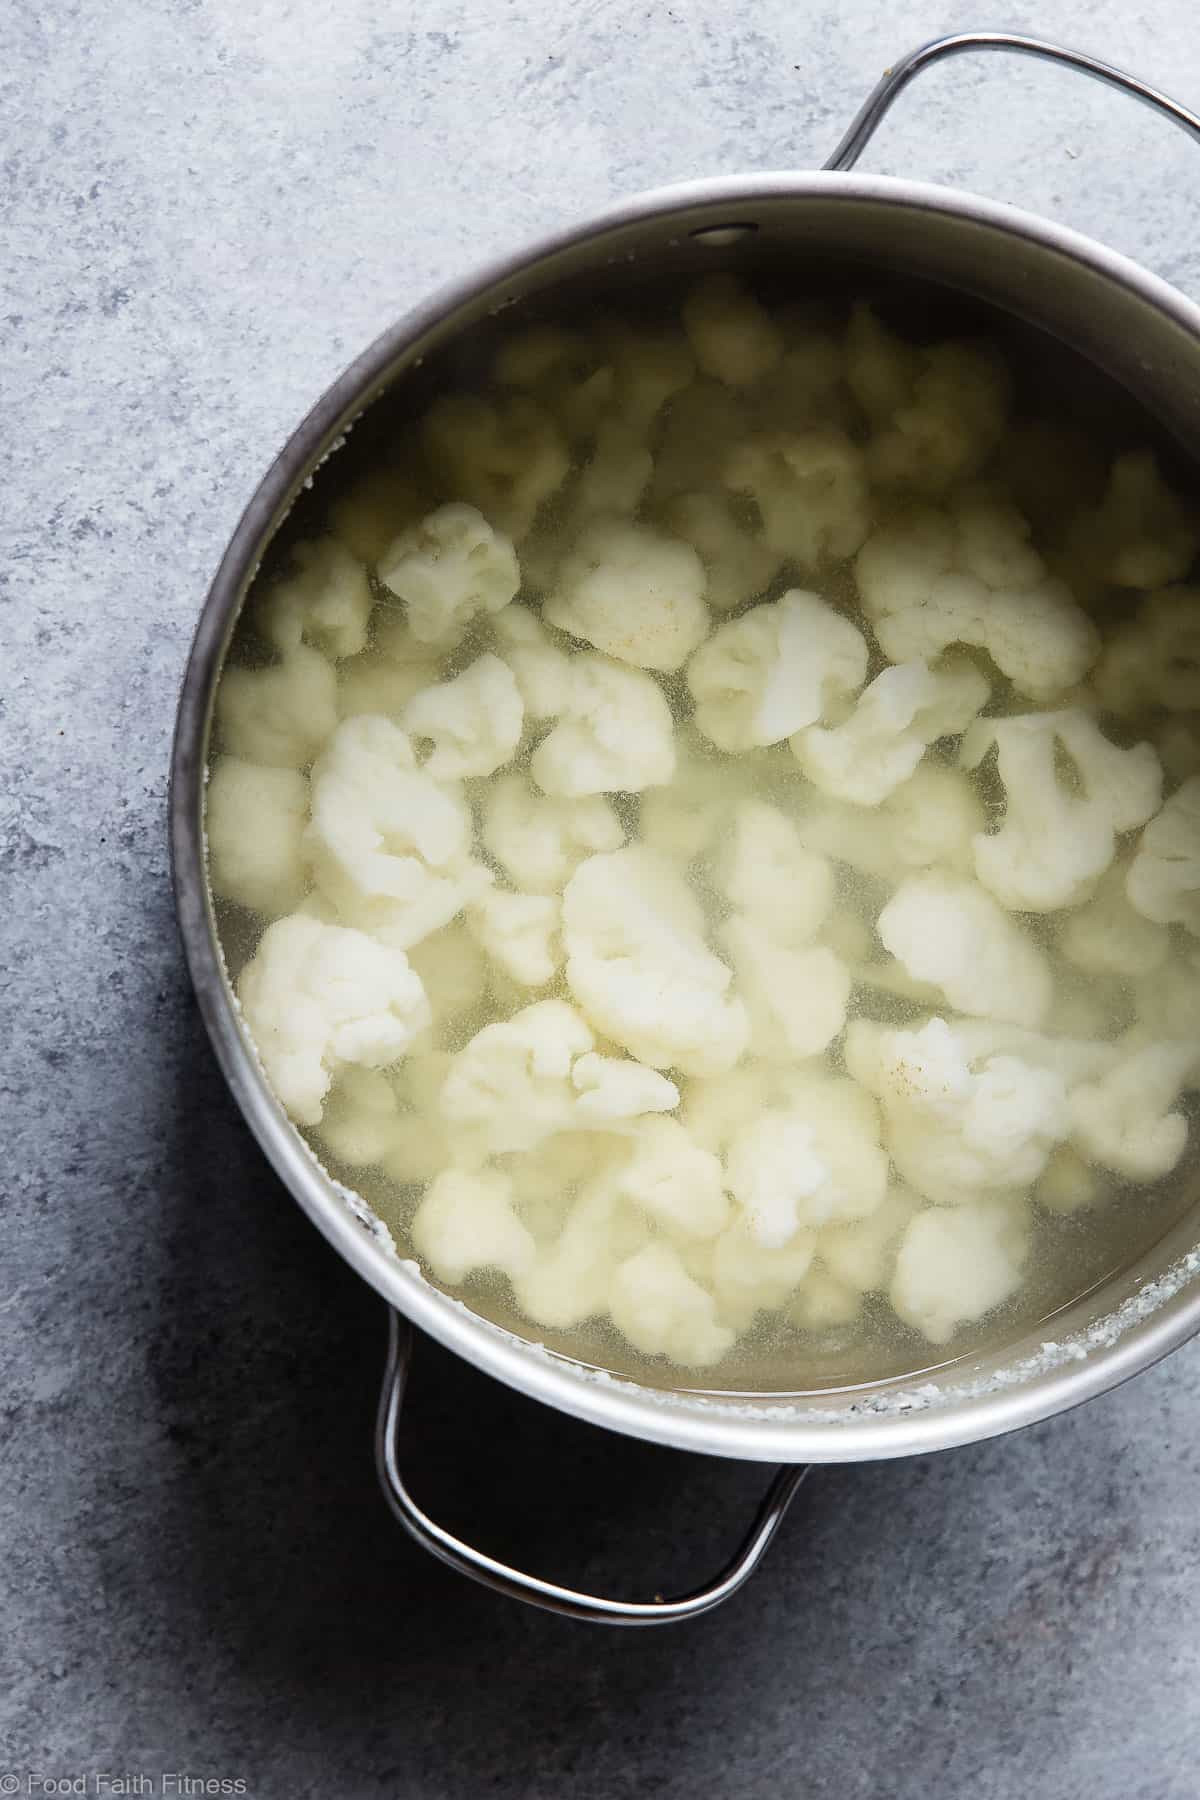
<point x="738" y="565"/>
<point x="519" y="932"/>
<point x="611" y="1088"/>
<point x="774" y="670"/>
<point x="325" y="603"/>
<point x="895" y="719"/>
<point x="280" y="715"/>
<point x="1123" y="1121"/>
<point x="1060" y="825"/>
<point x="632" y="593"/>
<point x="767" y="874"/>
<point x="733" y="338"/>
<point x="1141" y="535"/>
<point x="1107" y="935"/>
<point x="615" y="733"/>
<point x="466" y="1222"/>
<point x="473" y="721"/>
<point x="540" y="667"/>
<point x="795" y="997"/>
<point x="949" y="932"/>
<point x="956" y="1263"/>
<point x="372" y="683"/>
<point x="1154" y="659"/>
<point x="504" y="458"/>
<point x="539" y="840"/>
<point x="748" y="1277"/>
<point x="1163" y="883"/>
<point x="663" y="1312"/>
<point x="254" y="823"/>
<point x="811" y="491"/>
<point x="447" y="570"/>
<point x="315" y="997"/>
<point x="928" y="580"/>
<point x="674" y="1181"/>
<point x="640" y="969"/>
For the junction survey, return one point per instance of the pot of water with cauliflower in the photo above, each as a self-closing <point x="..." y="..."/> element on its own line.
<point x="689" y="842"/>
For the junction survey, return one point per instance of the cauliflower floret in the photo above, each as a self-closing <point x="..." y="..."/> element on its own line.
<point x="563" y="370"/>
<point x="367" y="516"/>
<point x="648" y="368"/>
<point x="639" y="967"/>
<point x="895" y="719"/>
<point x="949" y="932"/>
<point x="520" y="933"/>
<point x="466" y="1223"/>
<point x="254" y="821"/>
<point x="1108" y="936"/>
<point x="1141" y="535"/>
<point x="816" y="1159"/>
<point x="953" y="1129"/>
<point x="675" y="1181"/>
<point x="748" y="1278"/>
<point x="633" y="593"/>
<point x="715" y="1107"/>
<point x="796" y="998"/>
<point x="938" y="412"/>
<point x="1154" y="659"/>
<point x="1123" y="1121"/>
<point x="656" y="1305"/>
<point x="317" y="996"/>
<point x="541" y="668"/>
<point x="615" y="734"/>
<point x="474" y="721"/>
<point x="928" y="580"/>
<point x="956" y="1263"/>
<point x="861" y="1253"/>
<point x="931" y="820"/>
<point x="446" y="570"/>
<point x="612" y="1088"/>
<point x="766" y="873"/>
<point x="698" y="425"/>
<point x="733" y="338"/>
<point x="689" y="816"/>
<point x="738" y="565"/>
<point x="1164" y="877"/>
<point x="326" y="603"/>
<point x="505" y="458"/>
<point x="371" y="683"/>
<point x="810" y="488"/>
<point x="1067" y="1185"/>
<point x="452" y="971"/>
<point x="615" y="474"/>
<point x="1167" y="1002"/>
<point x="774" y="670"/>
<point x="569" y="1280"/>
<point x="360" y="1116"/>
<point x="1059" y="829"/>
<point x="280" y="715"/>
<point x="513" y="1080"/>
<point x="774" y="1174"/>
<point x="539" y="841"/>
<point x="822" y="1301"/>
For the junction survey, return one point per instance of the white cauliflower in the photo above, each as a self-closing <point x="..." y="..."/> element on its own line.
<point x="360" y="1116"/>
<point x="732" y="336"/>
<point x="372" y="683"/>
<point x="861" y="1253"/>
<point x="894" y="721"/>
<point x="956" y="1263"/>
<point x="632" y="593"/>
<point x="519" y="932"/>
<point x="930" y="821"/>
<point x="953" y="1128"/>
<point x="811" y="491"/>
<point x="938" y="412"/>
<point x="615" y="733"/>
<point x="774" y="1173"/>
<point x="568" y="1281"/>
<point x="816" y="1158"/>
<point x="949" y="932"/>
<point x="929" y="579"/>
<point x="279" y="715"/>
<point x="325" y="603"/>
<point x="1163" y="883"/>
<point x="795" y="997"/>
<point x="1124" y="1120"/>
<point x="715" y="1107"/>
<point x="254" y="821"/>
<point x="541" y="668"/>
<point x="1067" y="1185"/>
<point x="315" y="997"/>
<point x="774" y="670"/>
<point x="765" y="872"/>
<point x="648" y="369"/>
<point x="1107" y="935"/>
<point x="738" y="565"/>
<point x="563" y="370"/>
<point x="452" y="971"/>
<point x="656" y="1305"/>
<point x="466" y="1223"/>
<point x="673" y="1180"/>
<point x="1141" y="535"/>
<point x="539" y="840"/>
<point x="512" y="1081"/>
<point x="447" y="570"/>
<point x="504" y="458"/>
<point x="615" y="473"/>
<point x="822" y="1302"/>
<point x="748" y="1278"/>
<point x="613" y="1088"/>
<point x="639" y="967"/>
<point x="368" y="514"/>
<point x="1153" y="660"/>
<point x="473" y="721"/>
<point x="1060" y="827"/>
<point x="688" y="817"/>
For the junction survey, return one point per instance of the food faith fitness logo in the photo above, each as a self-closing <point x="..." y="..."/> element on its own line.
<point x="167" y="1784"/>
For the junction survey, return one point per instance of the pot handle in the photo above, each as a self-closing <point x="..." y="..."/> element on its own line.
<point x="531" y="1588"/>
<point x="894" y="80"/>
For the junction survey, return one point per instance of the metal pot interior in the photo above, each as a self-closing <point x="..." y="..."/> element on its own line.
<point x="1122" y="353"/>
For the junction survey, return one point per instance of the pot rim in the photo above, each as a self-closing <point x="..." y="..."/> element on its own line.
<point x="916" y="1419"/>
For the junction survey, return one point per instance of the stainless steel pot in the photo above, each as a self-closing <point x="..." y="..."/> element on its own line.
<point x="1133" y="326"/>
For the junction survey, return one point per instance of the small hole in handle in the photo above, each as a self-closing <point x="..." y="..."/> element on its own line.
<point x="716" y="235"/>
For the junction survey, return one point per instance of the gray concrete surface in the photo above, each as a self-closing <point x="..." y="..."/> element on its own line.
<point x="208" y="206"/>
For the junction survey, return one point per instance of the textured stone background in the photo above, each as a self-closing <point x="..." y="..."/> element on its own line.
<point x="208" y="206"/>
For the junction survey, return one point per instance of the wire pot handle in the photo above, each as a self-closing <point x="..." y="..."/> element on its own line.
<point x="547" y="1595"/>
<point x="892" y="83"/>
